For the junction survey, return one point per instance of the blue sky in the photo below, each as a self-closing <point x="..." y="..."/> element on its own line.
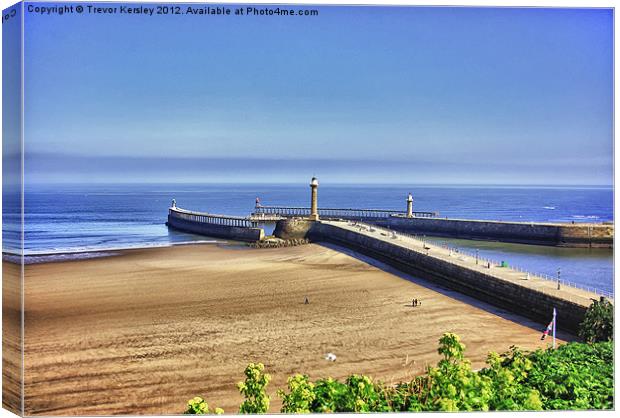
<point x="356" y="94"/>
<point x="11" y="103"/>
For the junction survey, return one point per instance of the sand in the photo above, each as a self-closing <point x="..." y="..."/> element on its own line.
<point x="142" y="332"/>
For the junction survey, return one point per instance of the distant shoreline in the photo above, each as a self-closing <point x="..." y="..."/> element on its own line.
<point x="90" y="253"/>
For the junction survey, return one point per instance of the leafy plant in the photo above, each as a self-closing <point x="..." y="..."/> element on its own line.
<point x="507" y="374"/>
<point x="574" y="376"/>
<point x="329" y="395"/>
<point x="254" y="390"/>
<point x="453" y="384"/>
<point x="198" y="406"/>
<point x="598" y="323"/>
<point x="362" y="395"/>
<point x="300" y="397"/>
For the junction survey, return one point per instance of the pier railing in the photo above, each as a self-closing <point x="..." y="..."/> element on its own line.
<point x="418" y="214"/>
<point x="485" y="261"/>
<point x="342" y="213"/>
<point x="210" y="218"/>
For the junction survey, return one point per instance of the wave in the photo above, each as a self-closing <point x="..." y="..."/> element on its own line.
<point x="549" y="207"/>
<point x="68" y="254"/>
<point x="55" y="258"/>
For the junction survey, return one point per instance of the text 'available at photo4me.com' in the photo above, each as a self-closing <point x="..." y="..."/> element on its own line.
<point x="103" y="9"/>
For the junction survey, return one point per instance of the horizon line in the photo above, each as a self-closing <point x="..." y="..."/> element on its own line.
<point x="338" y="183"/>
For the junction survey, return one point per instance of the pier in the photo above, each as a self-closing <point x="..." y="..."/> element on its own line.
<point x="578" y="235"/>
<point x="221" y="226"/>
<point x="527" y="294"/>
<point x="203" y="217"/>
<point x="334" y="213"/>
<point x="384" y="235"/>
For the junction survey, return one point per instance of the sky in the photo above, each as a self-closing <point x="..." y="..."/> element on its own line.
<point x="353" y="95"/>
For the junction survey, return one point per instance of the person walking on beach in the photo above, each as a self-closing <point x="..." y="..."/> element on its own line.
<point x="306" y="301"/>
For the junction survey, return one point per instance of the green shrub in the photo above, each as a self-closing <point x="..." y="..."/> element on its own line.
<point x="300" y="397"/>
<point x="574" y="376"/>
<point x="506" y="375"/>
<point x="329" y="395"/>
<point x="453" y="384"/>
<point x="254" y="390"/>
<point x="362" y="396"/>
<point x="198" y="406"/>
<point x="598" y="323"/>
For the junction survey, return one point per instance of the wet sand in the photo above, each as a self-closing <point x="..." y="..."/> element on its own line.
<point x="142" y="332"/>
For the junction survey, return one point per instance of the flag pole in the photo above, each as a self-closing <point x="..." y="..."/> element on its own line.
<point x="554" y="326"/>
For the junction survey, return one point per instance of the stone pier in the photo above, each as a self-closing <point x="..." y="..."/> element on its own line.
<point x="524" y="294"/>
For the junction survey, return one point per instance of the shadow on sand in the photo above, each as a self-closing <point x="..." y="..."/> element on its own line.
<point x="509" y="316"/>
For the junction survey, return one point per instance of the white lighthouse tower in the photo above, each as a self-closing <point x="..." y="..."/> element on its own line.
<point x="314" y="199"/>
<point x="409" y="206"/>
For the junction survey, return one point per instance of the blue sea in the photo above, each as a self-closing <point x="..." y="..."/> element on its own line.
<point x="74" y="219"/>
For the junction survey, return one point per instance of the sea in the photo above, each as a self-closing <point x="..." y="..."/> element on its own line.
<point x="92" y="220"/>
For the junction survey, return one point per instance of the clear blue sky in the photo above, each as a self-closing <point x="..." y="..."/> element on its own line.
<point x="357" y="94"/>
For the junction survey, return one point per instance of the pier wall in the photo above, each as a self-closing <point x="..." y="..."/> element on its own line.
<point x="235" y="233"/>
<point x="299" y="228"/>
<point x="521" y="300"/>
<point x="293" y="228"/>
<point x="562" y="235"/>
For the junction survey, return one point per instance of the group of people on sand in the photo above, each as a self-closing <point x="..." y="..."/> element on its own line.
<point x="414" y="302"/>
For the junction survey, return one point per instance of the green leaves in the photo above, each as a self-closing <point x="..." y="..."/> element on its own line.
<point x="450" y="347"/>
<point x="330" y="396"/>
<point x="254" y="390"/>
<point x="362" y="395"/>
<point x="575" y="376"/>
<point x="198" y="406"/>
<point x="300" y="397"/>
<point x="454" y="386"/>
<point x="507" y="374"/>
<point x="598" y="323"/>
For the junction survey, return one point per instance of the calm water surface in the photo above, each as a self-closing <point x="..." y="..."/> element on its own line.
<point x="76" y="218"/>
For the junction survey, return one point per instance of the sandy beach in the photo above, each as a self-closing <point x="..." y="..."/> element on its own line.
<point x="143" y="331"/>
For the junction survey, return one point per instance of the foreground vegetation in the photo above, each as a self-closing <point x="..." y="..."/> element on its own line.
<point x="573" y="376"/>
<point x="598" y="324"/>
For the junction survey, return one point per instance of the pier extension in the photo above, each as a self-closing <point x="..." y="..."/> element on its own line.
<point x="220" y="226"/>
<point x="527" y="295"/>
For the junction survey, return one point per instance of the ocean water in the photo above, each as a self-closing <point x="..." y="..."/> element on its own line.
<point x="77" y="218"/>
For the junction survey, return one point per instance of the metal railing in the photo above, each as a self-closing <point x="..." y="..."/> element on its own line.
<point x="342" y="213"/>
<point x="210" y="218"/>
